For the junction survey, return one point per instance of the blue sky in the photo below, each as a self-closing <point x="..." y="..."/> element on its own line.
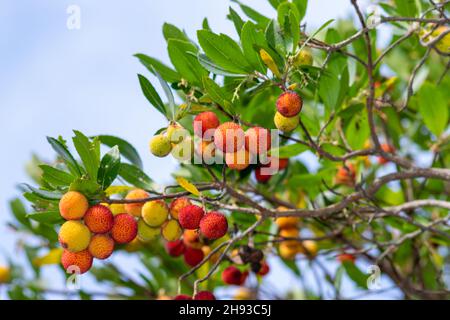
<point x="54" y="80"/>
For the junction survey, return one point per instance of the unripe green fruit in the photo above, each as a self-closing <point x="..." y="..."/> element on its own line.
<point x="160" y="146"/>
<point x="176" y="133"/>
<point x="285" y="124"/>
<point x="304" y="57"/>
<point x="184" y="150"/>
<point x="147" y="233"/>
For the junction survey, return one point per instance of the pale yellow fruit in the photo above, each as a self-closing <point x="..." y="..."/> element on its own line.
<point x="184" y="150"/>
<point x="176" y="133"/>
<point x="160" y="146"/>
<point x="304" y="57"/>
<point x="5" y="274"/>
<point x="155" y="213"/>
<point x="286" y="124"/>
<point x="171" y="230"/>
<point x="74" y="236"/>
<point x="147" y="233"/>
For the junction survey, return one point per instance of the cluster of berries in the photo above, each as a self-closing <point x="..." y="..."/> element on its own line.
<point x="90" y="232"/>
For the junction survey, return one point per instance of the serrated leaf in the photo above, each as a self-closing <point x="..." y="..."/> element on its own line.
<point x="237" y="20"/>
<point x="184" y="58"/>
<point x="434" y="108"/>
<point x="126" y="149"/>
<point x="109" y="168"/>
<point x="251" y="37"/>
<point x="19" y="212"/>
<point x="135" y="176"/>
<point x="170" y="112"/>
<point x="48" y="217"/>
<point x="209" y="65"/>
<point x="172" y="32"/>
<point x="186" y="185"/>
<point x="66" y="156"/>
<point x="55" y="176"/>
<point x="152" y="96"/>
<point x="88" y="153"/>
<point x="288" y="151"/>
<point x="44" y="194"/>
<point x="152" y="64"/>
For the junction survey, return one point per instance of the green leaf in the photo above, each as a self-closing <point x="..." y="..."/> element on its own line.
<point x="135" y="176"/>
<point x="172" y="32"/>
<point x="151" y="94"/>
<point x="126" y="149"/>
<point x="406" y="8"/>
<point x="251" y="38"/>
<point x="223" y="51"/>
<point x="169" y="95"/>
<point x="153" y="64"/>
<point x="276" y="3"/>
<point x="66" y="156"/>
<point x="288" y="151"/>
<point x="91" y="189"/>
<point x="88" y="153"/>
<point x="109" y="168"/>
<point x="358" y="277"/>
<point x="237" y="20"/>
<point x="48" y="217"/>
<point x="301" y="6"/>
<point x="261" y="20"/>
<point x="56" y="177"/>
<point x="19" y="212"/>
<point x="215" y="92"/>
<point x="186" y="64"/>
<point x="214" y="68"/>
<point x="274" y="37"/>
<point x="357" y="131"/>
<point x="433" y="107"/>
<point x="205" y="24"/>
<point x="43" y="194"/>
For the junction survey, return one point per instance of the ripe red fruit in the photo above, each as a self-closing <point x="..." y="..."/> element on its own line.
<point x="346" y="257"/>
<point x="182" y="297"/>
<point x="214" y="225"/>
<point x="203" y="122"/>
<point x="260" y="177"/>
<point x="229" y="137"/>
<point x="257" y="140"/>
<point x="204" y="295"/>
<point x="264" y="269"/>
<point x="193" y="256"/>
<point x="190" y="216"/>
<point x="289" y="104"/>
<point x="234" y="276"/>
<point x="99" y="219"/>
<point x="175" y="248"/>
<point x="178" y="204"/>
<point x="124" y="229"/>
<point x="346" y="175"/>
<point x="77" y="262"/>
<point x="388" y="149"/>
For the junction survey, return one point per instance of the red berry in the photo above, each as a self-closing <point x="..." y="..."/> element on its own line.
<point x="175" y="248"/>
<point x="124" y="229"/>
<point x="99" y="219"/>
<point x="182" y="297"/>
<point x="204" y="295"/>
<point x="214" y="225"/>
<point x="190" y="216"/>
<point x="204" y="125"/>
<point x="289" y="104"/>
<point x="234" y="276"/>
<point x="193" y="256"/>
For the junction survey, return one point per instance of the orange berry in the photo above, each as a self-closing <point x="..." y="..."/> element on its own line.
<point x="257" y="140"/>
<point x="77" y="262"/>
<point x="229" y="137"/>
<point x="135" y="208"/>
<point x="99" y="219"/>
<point x="289" y="104"/>
<point x="124" y="229"/>
<point x="178" y="204"/>
<point x="73" y="205"/>
<point x="204" y="125"/>
<point x="238" y="160"/>
<point x="101" y="246"/>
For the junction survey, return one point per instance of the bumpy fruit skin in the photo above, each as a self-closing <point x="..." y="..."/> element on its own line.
<point x="214" y="225"/>
<point x="190" y="217"/>
<point x="260" y="177"/>
<point x="146" y="233"/>
<point x="204" y="125"/>
<point x="346" y="257"/>
<point x="287" y="252"/>
<point x="176" y="133"/>
<point x="233" y="276"/>
<point x="155" y="213"/>
<point x="204" y="295"/>
<point x="346" y="175"/>
<point x="101" y="246"/>
<point x="5" y="274"/>
<point x="182" y="297"/>
<point x="83" y="260"/>
<point x="238" y="160"/>
<point x="193" y="257"/>
<point x="304" y="57"/>
<point x="160" y="146"/>
<point x="191" y="238"/>
<point x="388" y="149"/>
<point x="175" y="248"/>
<point x="289" y="104"/>
<point x="285" y="124"/>
<point x="117" y="208"/>
<point x="135" y="208"/>
<point x="265" y="269"/>
<point x="184" y="151"/>
<point x="124" y="229"/>
<point x="73" y="205"/>
<point x="171" y="230"/>
<point x="287" y="222"/>
<point x="178" y="204"/>
<point x="99" y="219"/>
<point x="229" y="137"/>
<point x="257" y="140"/>
<point x="74" y="236"/>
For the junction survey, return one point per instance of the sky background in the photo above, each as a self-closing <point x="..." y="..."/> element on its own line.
<point x="53" y="80"/>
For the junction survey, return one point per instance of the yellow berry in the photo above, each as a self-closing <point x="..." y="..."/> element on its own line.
<point x="176" y="133"/>
<point x="5" y="274"/>
<point x="171" y="230"/>
<point x="286" y="124"/>
<point x="147" y="233"/>
<point x="304" y="57"/>
<point x="74" y="236"/>
<point x="160" y="146"/>
<point x="117" y="208"/>
<point x="155" y="213"/>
